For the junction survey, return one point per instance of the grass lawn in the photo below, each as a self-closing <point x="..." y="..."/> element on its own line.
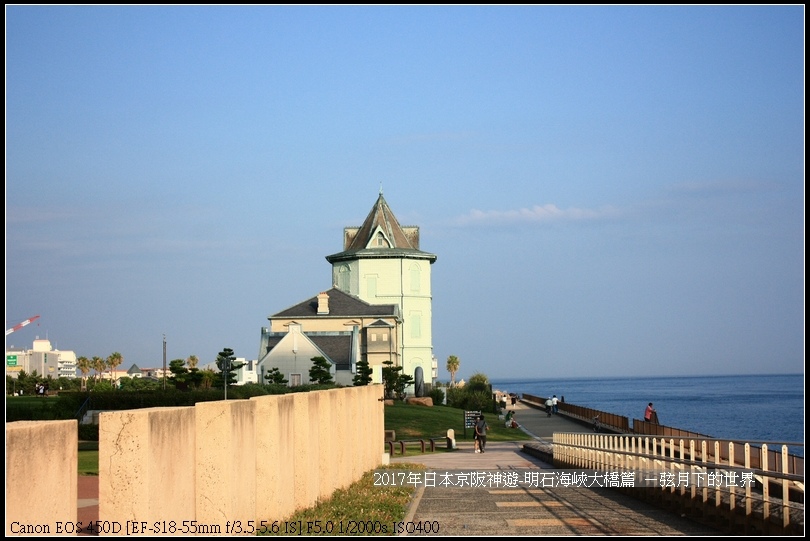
<point x="410" y="421"/>
<point x="88" y="462"/>
<point x="361" y="505"/>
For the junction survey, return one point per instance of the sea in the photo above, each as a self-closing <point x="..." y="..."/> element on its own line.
<point x="753" y="408"/>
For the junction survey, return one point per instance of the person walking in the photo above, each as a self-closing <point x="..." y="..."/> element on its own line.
<point x="481" y="428"/>
<point x="554" y="407"/>
<point x="549" y="404"/>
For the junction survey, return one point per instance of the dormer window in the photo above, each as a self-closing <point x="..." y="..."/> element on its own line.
<point x="380" y="241"/>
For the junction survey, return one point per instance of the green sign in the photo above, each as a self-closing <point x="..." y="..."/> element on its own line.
<point x="11" y="360"/>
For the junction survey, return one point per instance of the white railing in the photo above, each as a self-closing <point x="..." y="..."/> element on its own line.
<point x="740" y="487"/>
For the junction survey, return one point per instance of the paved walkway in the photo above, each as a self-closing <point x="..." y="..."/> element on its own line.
<point x="518" y="509"/>
<point x="87" y="499"/>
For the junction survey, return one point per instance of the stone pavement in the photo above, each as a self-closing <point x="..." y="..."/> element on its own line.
<point x="517" y="509"/>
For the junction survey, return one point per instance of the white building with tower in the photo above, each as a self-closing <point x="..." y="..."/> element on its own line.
<point x="378" y="309"/>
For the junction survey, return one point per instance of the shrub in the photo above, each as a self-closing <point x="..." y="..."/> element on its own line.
<point x="437" y="395"/>
<point x="470" y="399"/>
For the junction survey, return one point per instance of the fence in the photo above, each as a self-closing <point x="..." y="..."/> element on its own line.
<point x="698" y="471"/>
<point x="773" y="504"/>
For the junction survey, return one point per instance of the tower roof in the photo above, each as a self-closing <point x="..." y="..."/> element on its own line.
<point x="381" y="236"/>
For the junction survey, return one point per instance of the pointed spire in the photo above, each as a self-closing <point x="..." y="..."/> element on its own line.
<point x="381" y="235"/>
<point x="381" y="219"/>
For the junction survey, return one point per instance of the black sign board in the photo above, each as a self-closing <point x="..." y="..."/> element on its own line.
<point x="470" y="417"/>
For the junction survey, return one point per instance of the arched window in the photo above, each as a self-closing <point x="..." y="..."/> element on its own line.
<point x="416" y="278"/>
<point x="344" y="278"/>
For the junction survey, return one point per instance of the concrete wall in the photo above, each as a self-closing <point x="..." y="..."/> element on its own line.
<point x="41" y="477"/>
<point x="146" y="464"/>
<point x="214" y="463"/>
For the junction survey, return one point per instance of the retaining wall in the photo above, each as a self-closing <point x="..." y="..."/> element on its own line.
<point x="214" y="463"/>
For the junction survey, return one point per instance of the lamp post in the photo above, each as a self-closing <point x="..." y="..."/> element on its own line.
<point x="164" y="361"/>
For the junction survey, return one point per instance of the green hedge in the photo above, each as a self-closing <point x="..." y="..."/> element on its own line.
<point x="70" y="404"/>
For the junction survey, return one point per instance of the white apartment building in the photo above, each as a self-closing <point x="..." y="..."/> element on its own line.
<point x="42" y="358"/>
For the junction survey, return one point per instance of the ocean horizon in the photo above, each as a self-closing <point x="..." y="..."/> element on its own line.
<point x="755" y="408"/>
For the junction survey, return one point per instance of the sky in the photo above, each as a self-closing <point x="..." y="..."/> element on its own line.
<point x="609" y="190"/>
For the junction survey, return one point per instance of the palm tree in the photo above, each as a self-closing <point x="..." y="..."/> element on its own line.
<point x="192" y="361"/>
<point x="114" y="361"/>
<point x="452" y="367"/>
<point x="98" y="365"/>
<point x="83" y="364"/>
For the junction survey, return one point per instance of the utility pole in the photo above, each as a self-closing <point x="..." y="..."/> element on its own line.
<point x="226" y="374"/>
<point x="164" y="361"/>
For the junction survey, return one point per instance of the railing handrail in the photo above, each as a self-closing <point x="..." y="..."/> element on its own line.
<point x="776" y="505"/>
<point x="82" y="409"/>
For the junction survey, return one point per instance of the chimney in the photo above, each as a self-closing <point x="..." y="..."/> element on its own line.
<point x="323" y="304"/>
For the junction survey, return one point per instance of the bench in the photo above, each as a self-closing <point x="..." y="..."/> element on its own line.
<point x="390" y="440"/>
<point x="402" y="444"/>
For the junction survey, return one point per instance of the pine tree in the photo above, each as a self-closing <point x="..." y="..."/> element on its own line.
<point x="274" y="376"/>
<point x="363" y="376"/>
<point x="319" y="373"/>
<point x="227" y="367"/>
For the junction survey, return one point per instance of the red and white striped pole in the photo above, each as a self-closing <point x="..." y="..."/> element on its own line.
<point x="20" y="325"/>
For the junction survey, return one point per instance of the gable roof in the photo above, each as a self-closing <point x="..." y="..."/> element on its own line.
<point x="341" y="304"/>
<point x="336" y="347"/>
<point x="399" y="241"/>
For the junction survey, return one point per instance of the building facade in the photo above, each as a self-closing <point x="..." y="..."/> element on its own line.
<point x="379" y="309"/>
<point x="42" y="358"/>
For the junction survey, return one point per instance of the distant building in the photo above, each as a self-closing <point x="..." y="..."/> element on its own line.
<point x="42" y="358"/>
<point x="378" y="309"/>
<point x="245" y="374"/>
<point x="153" y="373"/>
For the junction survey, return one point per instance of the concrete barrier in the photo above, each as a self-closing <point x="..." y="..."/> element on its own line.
<point x="41" y="477"/>
<point x="214" y="463"/>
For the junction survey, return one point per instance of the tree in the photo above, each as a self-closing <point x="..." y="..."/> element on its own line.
<point x="208" y="378"/>
<point x="83" y="364"/>
<point x="452" y="366"/>
<point x="98" y="365"/>
<point x="114" y="361"/>
<point x="320" y="373"/>
<point x="13" y="384"/>
<point x="192" y="362"/>
<point x="194" y="378"/>
<point x="395" y="382"/>
<point x="478" y="382"/>
<point x="227" y="368"/>
<point x="475" y="395"/>
<point x="363" y="376"/>
<point x="179" y="373"/>
<point x="103" y="386"/>
<point x="138" y="384"/>
<point x="275" y="376"/>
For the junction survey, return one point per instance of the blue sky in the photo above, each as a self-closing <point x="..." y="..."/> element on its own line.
<point x="609" y="190"/>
